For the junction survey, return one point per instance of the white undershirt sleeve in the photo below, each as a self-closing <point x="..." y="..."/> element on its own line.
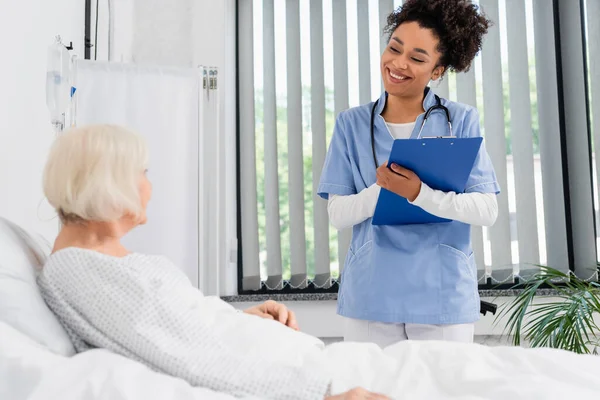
<point x="479" y="209"/>
<point x="474" y="208"/>
<point x="347" y="211"/>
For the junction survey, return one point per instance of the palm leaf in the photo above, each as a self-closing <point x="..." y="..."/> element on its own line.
<point x="567" y="324"/>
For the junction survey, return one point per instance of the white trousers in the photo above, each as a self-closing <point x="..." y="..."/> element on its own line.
<point x="384" y="334"/>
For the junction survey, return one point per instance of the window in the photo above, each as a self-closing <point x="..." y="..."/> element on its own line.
<point x="575" y="90"/>
<point x="592" y="42"/>
<point x="301" y="63"/>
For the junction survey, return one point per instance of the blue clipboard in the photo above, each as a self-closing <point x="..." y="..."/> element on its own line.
<point x="442" y="163"/>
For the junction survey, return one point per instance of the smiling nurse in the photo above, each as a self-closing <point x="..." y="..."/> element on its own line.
<point x="411" y="281"/>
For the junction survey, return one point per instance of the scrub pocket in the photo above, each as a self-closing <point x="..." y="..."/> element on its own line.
<point x="459" y="281"/>
<point x="356" y="277"/>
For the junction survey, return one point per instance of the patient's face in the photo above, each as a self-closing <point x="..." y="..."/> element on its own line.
<point x="145" y="195"/>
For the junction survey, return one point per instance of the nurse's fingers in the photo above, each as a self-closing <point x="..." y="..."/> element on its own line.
<point x="382" y="168"/>
<point x="382" y="181"/>
<point x="386" y="174"/>
<point x="407" y="173"/>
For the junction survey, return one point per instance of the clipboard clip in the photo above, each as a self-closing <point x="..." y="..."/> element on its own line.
<point x="439" y="137"/>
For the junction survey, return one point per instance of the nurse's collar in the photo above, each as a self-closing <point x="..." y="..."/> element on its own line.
<point x="428" y="100"/>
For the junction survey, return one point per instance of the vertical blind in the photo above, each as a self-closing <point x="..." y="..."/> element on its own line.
<point x="302" y="63"/>
<point x="591" y="11"/>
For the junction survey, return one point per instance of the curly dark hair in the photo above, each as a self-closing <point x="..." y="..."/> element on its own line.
<point x="458" y="24"/>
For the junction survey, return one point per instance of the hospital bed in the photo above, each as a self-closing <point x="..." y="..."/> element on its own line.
<point x="37" y="360"/>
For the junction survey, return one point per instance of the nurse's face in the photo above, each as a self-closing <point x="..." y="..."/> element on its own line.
<point x="410" y="60"/>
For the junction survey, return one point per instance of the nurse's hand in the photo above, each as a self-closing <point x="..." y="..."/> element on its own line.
<point x="276" y="311"/>
<point x="399" y="180"/>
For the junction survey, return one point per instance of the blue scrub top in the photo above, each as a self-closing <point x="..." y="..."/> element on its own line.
<point x="421" y="274"/>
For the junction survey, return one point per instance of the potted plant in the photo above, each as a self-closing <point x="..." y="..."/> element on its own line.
<point x="566" y="322"/>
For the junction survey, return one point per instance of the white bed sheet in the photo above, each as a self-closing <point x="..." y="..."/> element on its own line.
<point x="28" y="371"/>
<point x="443" y="370"/>
<point x="408" y="370"/>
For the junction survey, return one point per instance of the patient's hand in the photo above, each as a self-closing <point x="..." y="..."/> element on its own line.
<point x="358" y="394"/>
<point x="277" y="311"/>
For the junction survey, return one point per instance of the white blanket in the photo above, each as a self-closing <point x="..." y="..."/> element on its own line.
<point x="443" y="370"/>
<point x="28" y="371"/>
<point x="411" y="370"/>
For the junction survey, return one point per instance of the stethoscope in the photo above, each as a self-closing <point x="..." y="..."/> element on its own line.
<point x="437" y="106"/>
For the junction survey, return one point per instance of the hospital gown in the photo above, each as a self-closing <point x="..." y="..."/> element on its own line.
<point x="145" y="308"/>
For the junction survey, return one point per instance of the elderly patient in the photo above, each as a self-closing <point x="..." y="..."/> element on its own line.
<point x="142" y="306"/>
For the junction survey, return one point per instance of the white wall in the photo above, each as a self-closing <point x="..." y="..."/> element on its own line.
<point x="190" y="33"/>
<point x="320" y="318"/>
<point x="183" y="33"/>
<point x="163" y="32"/>
<point x="27" y="28"/>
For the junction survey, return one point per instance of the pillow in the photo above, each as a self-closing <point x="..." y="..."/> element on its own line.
<point x="21" y="304"/>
